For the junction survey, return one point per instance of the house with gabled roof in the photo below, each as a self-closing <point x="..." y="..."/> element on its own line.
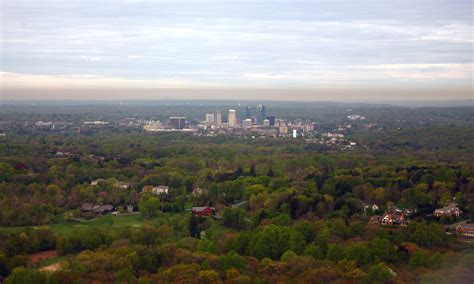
<point x="465" y="231"/>
<point x="204" y="211"/>
<point x="448" y="210"/>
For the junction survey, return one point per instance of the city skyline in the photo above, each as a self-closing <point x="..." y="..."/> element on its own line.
<point x="302" y="51"/>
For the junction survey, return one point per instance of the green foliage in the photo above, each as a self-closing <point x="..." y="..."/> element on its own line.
<point x="149" y="206"/>
<point x="378" y="273"/>
<point x="360" y="253"/>
<point x="424" y="259"/>
<point x="382" y="250"/>
<point x="307" y="229"/>
<point x="282" y="220"/>
<point x="314" y="251"/>
<point x="289" y="254"/>
<point x="428" y="235"/>
<point x="234" y="218"/>
<point x="205" y="245"/>
<point x="23" y="275"/>
<point x="231" y="260"/>
<point x="301" y="211"/>
<point x="335" y="252"/>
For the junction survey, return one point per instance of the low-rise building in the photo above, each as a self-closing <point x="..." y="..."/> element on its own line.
<point x="98" y="209"/>
<point x="87" y="207"/>
<point x="103" y="209"/>
<point x="204" y="211"/>
<point x="247" y="123"/>
<point x="393" y="219"/>
<point x="160" y="189"/>
<point x="465" y="231"/>
<point x="448" y="210"/>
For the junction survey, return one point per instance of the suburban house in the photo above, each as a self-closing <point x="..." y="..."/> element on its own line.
<point x="204" y="211"/>
<point x="160" y="189"/>
<point x="448" y="210"/>
<point x="393" y="218"/>
<point x="98" y="209"/>
<point x="465" y="231"/>
<point x="87" y="207"/>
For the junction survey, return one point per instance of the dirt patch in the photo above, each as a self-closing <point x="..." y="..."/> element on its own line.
<point x="42" y="255"/>
<point x="51" y="268"/>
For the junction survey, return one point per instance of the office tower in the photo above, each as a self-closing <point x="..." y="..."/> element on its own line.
<point x="247" y="123"/>
<point x="177" y="122"/>
<point x="261" y="112"/>
<point x="232" y="118"/>
<point x="209" y="118"/>
<point x="283" y="129"/>
<point x="272" y="120"/>
<point x="218" y="117"/>
<point x="266" y="122"/>
<point x="248" y="113"/>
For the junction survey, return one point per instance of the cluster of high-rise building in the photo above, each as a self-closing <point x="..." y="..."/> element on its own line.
<point x="252" y="120"/>
<point x="249" y="120"/>
<point x="255" y="120"/>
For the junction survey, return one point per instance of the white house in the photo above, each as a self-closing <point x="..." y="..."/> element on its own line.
<point x="160" y="189"/>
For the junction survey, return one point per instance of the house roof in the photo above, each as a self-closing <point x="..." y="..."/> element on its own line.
<point x="200" y="209"/>
<point x="103" y="208"/>
<point x="87" y="207"/>
<point x="449" y="207"/>
<point x="161" y="186"/>
<point x="395" y="216"/>
<point x="96" y="208"/>
<point x="469" y="227"/>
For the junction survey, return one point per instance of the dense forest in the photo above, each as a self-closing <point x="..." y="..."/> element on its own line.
<point x="285" y="210"/>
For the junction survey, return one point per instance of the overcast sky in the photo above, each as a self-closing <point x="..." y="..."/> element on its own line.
<point x="294" y="50"/>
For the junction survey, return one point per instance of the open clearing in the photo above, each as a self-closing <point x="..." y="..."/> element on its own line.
<point x="63" y="227"/>
<point x="42" y="255"/>
<point x="51" y="268"/>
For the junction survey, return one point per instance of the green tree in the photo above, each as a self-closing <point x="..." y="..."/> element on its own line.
<point x="360" y="253"/>
<point x="193" y="226"/>
<point x="289" y="254"/>
<point x="382" y="249"/>
<point x="335" y="252"/>
<point x="21" y="275"/>
<point x="233" y="218"/>
<point x="270" y="172"/>
<point x="149" y="206"/>
<point x="378" y="273"/>
<point x="252" y="171"/>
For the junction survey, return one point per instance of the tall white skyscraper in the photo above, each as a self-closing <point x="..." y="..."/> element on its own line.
<point x="209" y="118"/>
<point x="232" y="118"/>
<point x="266" y="123"/>
<point x="218" y="117"/>
<point x="247" y="123"/>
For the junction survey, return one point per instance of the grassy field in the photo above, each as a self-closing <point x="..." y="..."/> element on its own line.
<point x="60" y="226"/>
<point x="50" y="261"/>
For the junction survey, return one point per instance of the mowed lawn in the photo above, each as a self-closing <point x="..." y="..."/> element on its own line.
<point x="62" y="227"/>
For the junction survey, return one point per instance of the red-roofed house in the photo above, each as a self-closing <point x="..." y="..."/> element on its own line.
<point x="204" y="211"/>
